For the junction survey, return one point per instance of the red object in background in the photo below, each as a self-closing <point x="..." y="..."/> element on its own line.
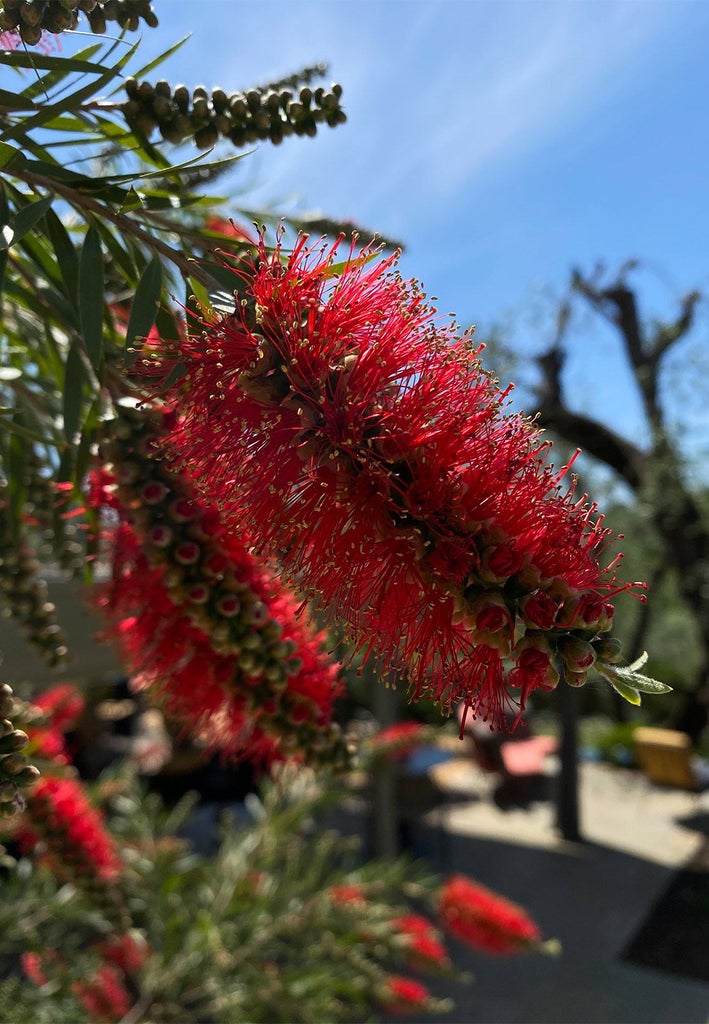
<point x="483" y="919"/>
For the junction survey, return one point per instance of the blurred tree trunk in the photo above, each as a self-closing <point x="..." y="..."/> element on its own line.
<point x="567" y="794"/>
<point x="654" y="473"/>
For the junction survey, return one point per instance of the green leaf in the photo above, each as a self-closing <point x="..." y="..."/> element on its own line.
<point x="200" y="293"/>
<point x="74" y="380"/>
<point x="144" y="309"/>
<point x="65" y="251"/>
<point x="28" y="216"/>
<point x="628" y="676"/>
<point x="15" y="101"/>
<point x="27" y="59"/>
<point x="91" y="295"/>
<point x="133" y="201"/>
<point x="178" y="371"/>
<point x="627" y="692"/>
<point x="52" y="78"/>
<point x="8" y="154"/>
<point x="71" y="102"/>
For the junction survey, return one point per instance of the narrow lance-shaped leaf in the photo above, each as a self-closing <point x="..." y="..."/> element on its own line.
<point x="627" y="692"/>
<point x="629" y="676"/>
<point x="28" y="216"/>
<point x="10" y="157"/>
<point x="144" y="309"/>
<point x="66" y="254"/>
<point x="91" y="295"/>
<point x="74" y="378"/>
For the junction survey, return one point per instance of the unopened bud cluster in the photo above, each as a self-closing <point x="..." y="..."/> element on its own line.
<point x="23" y="594"/>
<point x="242" y="117"/>
<point x="32" y="17"/>
<point x="227" y="598"/>
<point x="15" y="772"/>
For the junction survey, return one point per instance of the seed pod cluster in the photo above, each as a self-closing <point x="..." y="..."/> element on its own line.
<point x="59" y="539"/>
<point x="23" y="593"/>
<point x="242" y="117"/>
<point x="228" y="612"/>
<point x="32" y="17"/>
<point x="15" y="772"/>
<point x="315" y="225"/>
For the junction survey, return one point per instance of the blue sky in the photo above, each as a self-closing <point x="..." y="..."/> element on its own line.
<point x="503" y="141"/>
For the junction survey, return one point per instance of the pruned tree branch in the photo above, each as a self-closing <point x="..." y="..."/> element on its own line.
<point x="620" y="454"/>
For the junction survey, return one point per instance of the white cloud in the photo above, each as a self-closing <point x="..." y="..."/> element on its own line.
<point x="515" y="75"/>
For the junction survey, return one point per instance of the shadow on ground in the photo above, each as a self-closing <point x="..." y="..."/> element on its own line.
<point x="595" y="900"/>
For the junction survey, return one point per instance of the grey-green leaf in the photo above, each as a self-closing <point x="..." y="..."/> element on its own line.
<point x="144" y="308"/>
<point x="74" y="378"/>
<point x="91" y="295"/>
<point x="644" y="683"/>
<point x="28" y="216"/>
<point x="628" y="693"/>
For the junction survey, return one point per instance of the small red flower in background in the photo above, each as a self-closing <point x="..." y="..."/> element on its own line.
<point x="231" y="230"/>
<point x="347" y="893"/>
<point x="104" y="996"/>
<point x="402" y="995"/>
<point x="33" y="968"/>
<point x="423" y="945"/>
<point x="400" y="740"/>
<point x="128" y="952"/>
<point x="61" y="706"/>
<point x="363" y="444"/>
<point x="77" y="846"/>
<point x="201" y="624"/>
<point x="485" y="920"/>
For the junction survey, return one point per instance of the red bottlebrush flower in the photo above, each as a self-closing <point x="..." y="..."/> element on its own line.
<point x="78" y="847"/>
<point x="347" y="893"/>
<point x="485" y="920"/>
<point x="423" y="945"/>
<point x="61" y="705"/>
<point x="363" y="444"/>
<point x="403" y="995"/>
<point x="33" y="968"/>
<point x="49" y="744"/>
<point x="231" y="230"/>
<point x="128" y="952"/>
<point x="203" y="625"/>
<point x="104" y="997"/>
<point x="398" y="741"/>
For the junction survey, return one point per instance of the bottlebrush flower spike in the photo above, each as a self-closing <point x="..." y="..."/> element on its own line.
<point x="485" y="920"/>
<point x="104" y="996"/>
<point x="49" y="716"/>
<point x="60" y="705"/>
<point x="78" y="847"/>
<point x="401" y="995"/>
<point x="397" y="742"/>
<point x="363" y="444"/>
<point x="201" y="624"/>
<point x="423" y="945"/>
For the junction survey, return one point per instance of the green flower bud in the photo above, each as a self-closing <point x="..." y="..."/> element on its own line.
<point x="578" y="655"/>
<point x="608" y="650"/>
<point x="30" y="34"/>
